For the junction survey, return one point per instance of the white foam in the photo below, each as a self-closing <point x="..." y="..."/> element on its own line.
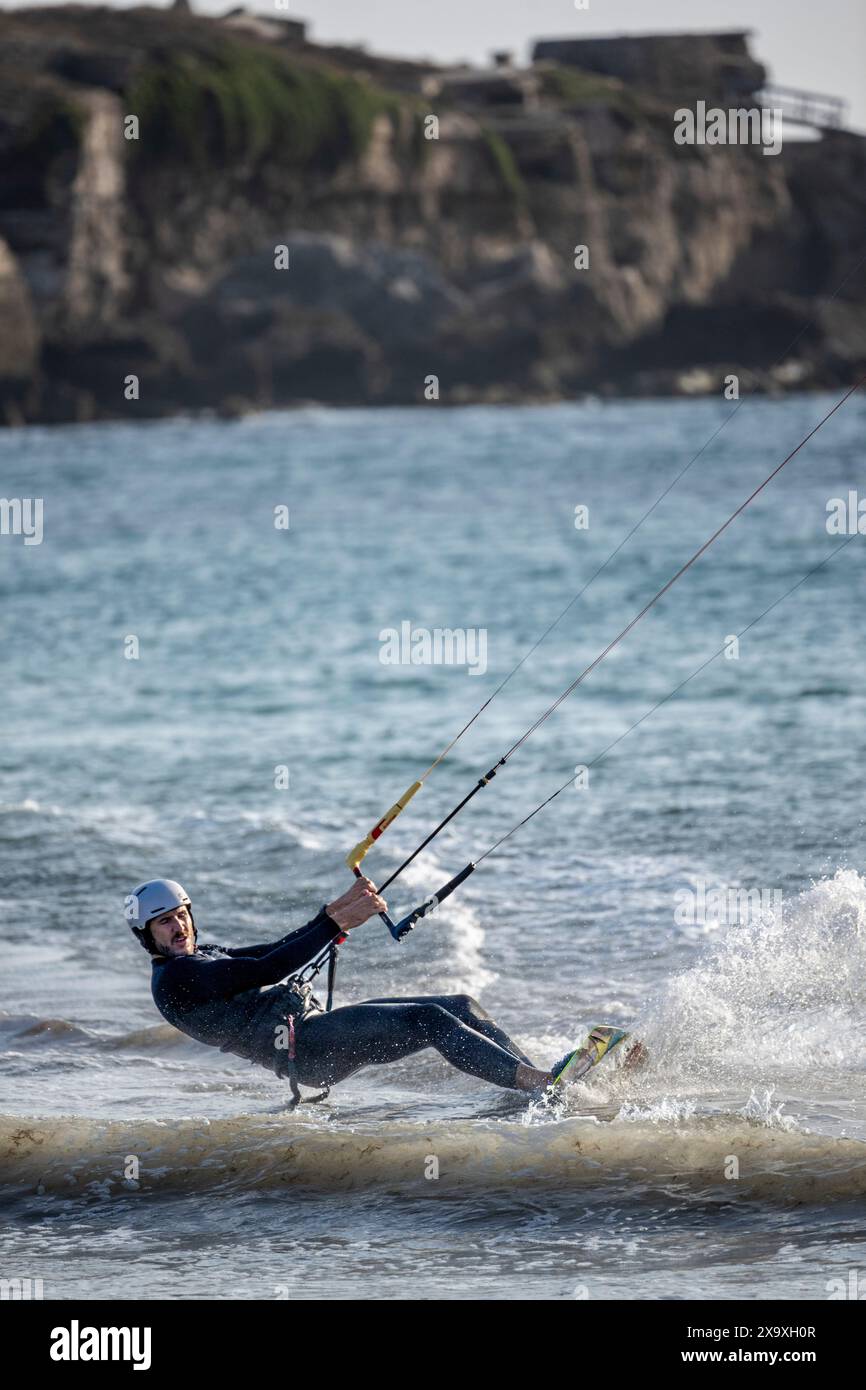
<point x="787" y="991"/>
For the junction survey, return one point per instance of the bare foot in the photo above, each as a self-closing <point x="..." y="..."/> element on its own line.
<point x="530" y="1078"/>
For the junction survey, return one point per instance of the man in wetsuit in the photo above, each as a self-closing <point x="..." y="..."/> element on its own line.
<point x="235" y="999"/>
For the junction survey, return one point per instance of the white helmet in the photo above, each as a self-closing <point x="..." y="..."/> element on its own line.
<point x="151" y="900"/>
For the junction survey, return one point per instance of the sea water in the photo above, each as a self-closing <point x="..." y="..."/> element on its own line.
<point x="196" y="685"/>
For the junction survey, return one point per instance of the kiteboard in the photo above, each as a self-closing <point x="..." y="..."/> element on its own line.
<point x="600" y="1040"/>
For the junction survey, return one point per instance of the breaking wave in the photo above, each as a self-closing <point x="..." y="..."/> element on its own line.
<point x="76" y="1157"/>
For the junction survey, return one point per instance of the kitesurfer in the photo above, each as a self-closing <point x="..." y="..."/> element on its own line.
<point x="240" y="1000"/>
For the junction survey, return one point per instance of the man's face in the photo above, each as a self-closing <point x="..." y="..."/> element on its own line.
<point x="172" y="933"/>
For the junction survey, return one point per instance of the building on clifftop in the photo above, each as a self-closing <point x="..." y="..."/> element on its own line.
<point x="717" y="67"/>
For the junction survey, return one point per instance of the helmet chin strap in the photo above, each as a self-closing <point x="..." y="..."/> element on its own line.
<point x="145" y="936"/>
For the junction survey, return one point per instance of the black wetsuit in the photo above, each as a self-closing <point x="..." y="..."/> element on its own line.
<point x="222" y="997"/>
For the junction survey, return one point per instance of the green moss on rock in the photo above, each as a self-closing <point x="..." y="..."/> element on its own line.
<point x="250" y="105"/>
<point x="505" y="164"/>
<point x="567" y="86"/>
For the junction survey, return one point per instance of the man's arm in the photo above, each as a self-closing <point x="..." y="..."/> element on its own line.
<point x="254" y="952"/>
<point x="348" y="911"/>
<point x="200" y="977"/>
<point x="205" y="978"/>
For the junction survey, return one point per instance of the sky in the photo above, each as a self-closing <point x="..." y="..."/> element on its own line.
<point x="816" y="44"/>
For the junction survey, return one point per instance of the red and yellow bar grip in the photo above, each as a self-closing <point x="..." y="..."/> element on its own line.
<point x="357" y="854"/>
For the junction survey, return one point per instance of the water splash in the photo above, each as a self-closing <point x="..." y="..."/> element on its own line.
<point x="786" y="991"/>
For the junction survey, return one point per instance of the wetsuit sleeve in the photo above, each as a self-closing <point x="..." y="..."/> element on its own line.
<point x="264" y="948"/>
<point x="218" y="978"/>
<point x="256" y="952"/>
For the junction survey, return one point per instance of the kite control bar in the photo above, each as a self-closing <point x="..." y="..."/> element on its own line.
<point x="392" y="926"/>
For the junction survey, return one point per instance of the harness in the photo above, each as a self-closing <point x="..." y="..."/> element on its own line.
<point x="302" y="984"/>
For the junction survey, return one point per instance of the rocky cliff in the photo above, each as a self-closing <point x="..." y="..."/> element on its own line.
<point x="155" y="163"/>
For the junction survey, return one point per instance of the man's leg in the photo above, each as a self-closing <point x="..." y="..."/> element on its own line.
<point x="469" y="1011"/>
<point x="332" y="1046"/>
